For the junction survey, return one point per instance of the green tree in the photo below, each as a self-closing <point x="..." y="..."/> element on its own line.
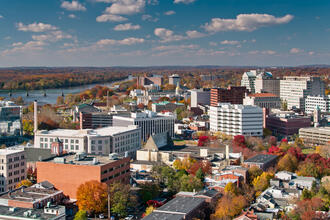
<point x="121" y="198"/>
<point x="149" y="191"/>
<point x="306" y="194"/>
<point x="190" y="183"/>
<point x="81" y="215"/>
<point x="200" y="174"/>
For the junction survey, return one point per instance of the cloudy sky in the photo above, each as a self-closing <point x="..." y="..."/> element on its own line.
<point x="164" y="32"/>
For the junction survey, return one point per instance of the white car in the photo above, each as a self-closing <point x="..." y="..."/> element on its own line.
<point x="130" y="217"/>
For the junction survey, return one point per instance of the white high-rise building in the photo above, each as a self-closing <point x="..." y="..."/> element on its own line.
<point x="249" y="79"/>
<point x="323" y="102"/>
<point x="236" y="119"/>
<point x="199" y="96"/>
<point x="12" y="168"/>
<point x="266" y="83"/>
<point x="294" y="90"/>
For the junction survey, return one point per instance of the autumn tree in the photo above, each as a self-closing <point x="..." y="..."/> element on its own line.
<point x="308" y="209"/>
<point x="121" y="198"/>
<point x="203" y="141"/>
<point x="190" y="183"/>
<point x="81" y="215"/>
<point x="25" y="182"/>
<point x="229" y="206"/>
<point x="149" y="210"/>
<point x="231" y="188"/>
<point x="261" y="182"/>
<point x="288" y="162"/>
<point x="92" y="196"/>
<point x="254" y="172"/>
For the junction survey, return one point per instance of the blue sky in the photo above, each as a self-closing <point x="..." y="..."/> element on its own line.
<point x="164" y="32"/>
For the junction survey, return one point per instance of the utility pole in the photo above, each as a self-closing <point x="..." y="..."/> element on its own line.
<point x="109" y="203"/>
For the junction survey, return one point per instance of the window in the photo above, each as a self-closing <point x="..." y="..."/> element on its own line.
<point x="46" y="139"/>
<point x="106" y="141"/>
<point x="66" y="146"/>
<point x="77" y="141"/>
<point x="93" y="142"/>
<point x="100" y="142"/>
<point x="93" y="148"/>
<point x="46" y="145"/>
<point x="77" y="147"/>
<point x="100" y="148"/>
<point x="72" y="147"/>
<point x="51" y="140"/>
<point x="41" y="139"/>
<point x="66" y="141"/>
<point x="72" y="141"/>
<point x="41" y="145"/>
<point x="22" y="157"/>
<point x="22" y="163"/>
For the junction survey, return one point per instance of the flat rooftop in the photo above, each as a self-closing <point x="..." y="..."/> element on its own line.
<point x="5" y="213"/>
<point x="182" y="205"/>
<point x="91" y="160"/>
<point x="261" y="158"/>
<point x="106" y="131"/>
<point x="10" y="150"/>
<point x="163" y="216"/>
<point x="29" y="194"/>
<point x="322" y="130"/>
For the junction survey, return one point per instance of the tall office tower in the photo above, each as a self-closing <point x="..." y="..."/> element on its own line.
<point x="233" y="95"/>
<point x="295" y="89"/>
<point x="174" y="79"/>
<point x="236" y="119"/>
<point x="266" y="83"/>
<point x="12" y="168"/>
<point x="249" y="79"/>
<point x="199" y="96"/>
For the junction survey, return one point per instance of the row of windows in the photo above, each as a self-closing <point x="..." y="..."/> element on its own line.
<point x="114" y="168"/>
<point x="126" y="136"/>
<point x="114" y="176"/>
<point x="51" y="140"/>
<point x="16" y="172"/>
<point x="100" y="141"/>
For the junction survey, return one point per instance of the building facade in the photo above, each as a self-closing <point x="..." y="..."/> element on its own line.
<point x="294" y="90"/>
<point x="12" y="168"/>
<point x="150" y="123"/>
<point x="249" y="79"/>
<point x="10" y="121"/>
<point x="233" y="95"/>
<point x="265" y="83"/>
<point x="315" y="136"/>
<point x="150" y="80"/>
<point x="323" y="102"/>
<point x="199" y="96"/>
<point x="236" y="119"/>
<point x="68" y="172"/>
<point x="263" y="100"/>
<point x="95" y="120"/>
<point x="174" y="79"/>
<point x="102" y="141"/>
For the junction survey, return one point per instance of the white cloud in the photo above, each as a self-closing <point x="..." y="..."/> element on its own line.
<point x="311" y="53"/>
<point x="169" y="13"/>
<point x="264" y="52"/>
<point x="126" y="7"/>
<point x="73" y="6"/>
<point x="167" y="35"/>
<point x="52" y="36"/>
<point x="109" y="17"/>
<point x="72" y="16"/>
<point x="126" y="41"/>
<point x="126" y="27"/>
<point x="230" y="42"/>
<point x="175" y="47"/>
<point x="213" y="44"/>
<point x="245" y="22"/>
<point x="184" y="1"/>
<point x="296" y="50"/>
<point x="194" y="34"/>
<point x="149" y="18"/>
<point x="24" y="47"/>
<point x="35" y="27"/>
<point x="1" y="16"/>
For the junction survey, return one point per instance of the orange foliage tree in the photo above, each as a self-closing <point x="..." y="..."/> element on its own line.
<point x="92" y="196"/>
<point x="229" y="206"/>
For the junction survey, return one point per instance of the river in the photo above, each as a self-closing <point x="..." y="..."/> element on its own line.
<point x="51" y="94"/>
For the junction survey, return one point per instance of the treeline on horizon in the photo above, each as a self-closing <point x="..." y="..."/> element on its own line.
<point x="51" y="77"/>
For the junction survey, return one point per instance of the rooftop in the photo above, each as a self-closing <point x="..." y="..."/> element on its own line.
<point x="82" y="159"/>
<point x="324" y="130"/>
<point x="182" y="205"/>
<point x="263" y="95"/>
<point x="106" y="131"/>
<point x="29" y="194"/>
<point x="15" y="212"/>
<point x="163" y="216"/>
<point x="10" y="150"/>
<point x="261" y="158"/>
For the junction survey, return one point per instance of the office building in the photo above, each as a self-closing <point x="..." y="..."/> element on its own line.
<point x="233" y="95"/>
<point x="174" y="79"/>
<point x="295" y="89"/>
<point x="150" y="123"/>
<point x="68" y="172"/>
<point x="266" y="83"/>
<point x="286" y="123"/>
<point x="236" y="119"/>
<point x="263" y="100"/>
<point x="199" y="97"/>
<point x="322" y="102"/>
<point x="98" y="141"/>
<point x="263" y="161"/>
<point x="249" y="79"/>
<point x="315" y="136"/>
<point x="10" y="122"/>
<point x="95" y="120"/>
<point x="12" y="168"/>
<point x="156" y="80"/>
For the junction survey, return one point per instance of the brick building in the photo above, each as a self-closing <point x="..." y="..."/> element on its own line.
<point x="233" y="95"/>
<point x="68" y="172"/>
<point x="263" y="161"/>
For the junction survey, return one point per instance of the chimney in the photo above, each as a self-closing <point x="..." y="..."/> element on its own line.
<point x="35" y="116"/>
<point x="227" y="152"/>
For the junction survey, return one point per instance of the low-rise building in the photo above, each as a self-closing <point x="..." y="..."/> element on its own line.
<point x="104" y="141"/>
<point x="199" y="96"/>
<point x="95" y="120"/>
<point x="12" y="168"/>
<point x="263" y="161"/>
<point x="263" y="100"/>
<point x="315" y="136"/>
<point x="293" y="181"/>
<point x="68" y="172"/>
<point x="286" y="123"/>
<point x="166" y="106"/>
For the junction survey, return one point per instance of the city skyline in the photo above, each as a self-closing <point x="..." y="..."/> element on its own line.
<point x="156" y="33"/>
